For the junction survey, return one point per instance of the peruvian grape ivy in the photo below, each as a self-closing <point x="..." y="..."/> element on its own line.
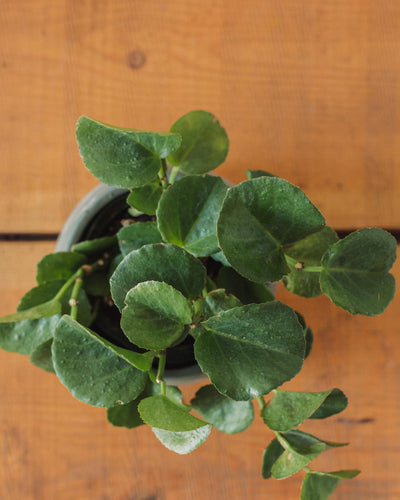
<point x="195" y="263"/>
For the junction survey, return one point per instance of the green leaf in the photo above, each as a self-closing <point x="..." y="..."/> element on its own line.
<point x="158" y="262"/>
<point x="188" y="211"/>
<point x="308" y="251"/>
<point x="217" y="301"/>
<point x="223" y="413"/>
<point x="125" y="415"/>
<point x="246" y="291"/>
<point x="355" y="271"/>
<point x="250" y="350"/>
<point x="58" y="266"/>
<point x="137" y="235"/>
<point x="146" y="198"/>
<point x="47" y="291"/>
<point x="320" y="485"/>
<point x="183" y="442"/>
<point x="300" y="449"/>
<point x="95" y="246"/>
<point x="204" y="143"/>
<point x="289" y="409"/>
<point x="90" y="368"/>
<point x="163" y="413"/>
<point x="120" y="157"/>
<point x="334" y="403"/>
<point x="25" y="335"/>
<point x="41" y="356"/>
<point x="43" y="310"/>
<point x="309" y="338"/>
<point x="258" y="217"/>
<point x="155" y="315"/>
<point x="254" y="174"/>
<point x="271" y="454"/>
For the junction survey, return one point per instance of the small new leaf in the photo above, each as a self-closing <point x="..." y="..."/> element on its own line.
<point x="137" y="235"/>
<point x="155" y="315"/>
<point x="204" y="145"/>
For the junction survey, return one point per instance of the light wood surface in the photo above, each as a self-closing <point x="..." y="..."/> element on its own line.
<point x="306" y="90"/>
<point x="53" y="446"/>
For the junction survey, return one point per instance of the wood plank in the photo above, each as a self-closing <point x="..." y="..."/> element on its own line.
<point x="306" y="90"/>
<point x="54" y="446"/>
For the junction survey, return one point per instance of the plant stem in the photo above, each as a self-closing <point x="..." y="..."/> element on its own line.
<point x="173" y="174"/>
<point x="301" y="267"/>
<point x="73" y="301"/>
<point x="67" y="285"/>
<point x="261" y="402"/>
<point x="160" y="372"/>
<point x="162" y="174"/>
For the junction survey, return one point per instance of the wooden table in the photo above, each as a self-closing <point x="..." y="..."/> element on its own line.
<point x="306" y="90"/>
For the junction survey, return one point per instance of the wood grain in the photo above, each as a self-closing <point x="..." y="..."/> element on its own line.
<point x="53" y="446"/>
<point x="306" y="90"/>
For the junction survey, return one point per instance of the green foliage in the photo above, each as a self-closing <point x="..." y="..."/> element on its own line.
<point x="355" y="271"/>
<point x="250" y="350"/>
<point x="155" y="315"/>
<point x="309" y="252"/>
<point x="188" y="211"/>
<point x="264" y="214"/>
<point x="289" y="409"/>
<point x="188" y="282"/>
<point x="137" y="235"/>
<point x="223" y="413"/>
<point x="204" y="145"/>
<point x="320" y="485"/>
<point x="120" y="157"/>
<point x="158" y="263"/>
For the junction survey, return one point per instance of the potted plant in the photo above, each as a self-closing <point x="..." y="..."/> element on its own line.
<point x="172" y="272"/>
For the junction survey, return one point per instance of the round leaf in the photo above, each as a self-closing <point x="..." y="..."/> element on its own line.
<point x="188" y="211"/>
<point x="183" y="442"/>
<point x="163" y="413"/>
<point x="223" y="413"/>
<point x="320" y="485"/>
<point x="158" y="262"/>
<point x="155" y="315"/>
<point x="90" y="369"/>
<point x="257" y="217"/>
<point x="137" y="235"/>
<point x="204" y="145"/>
<point x="58" y="266"/>
<point x="146" y="198"/>
<point x="125" y="158"/>
<point x="250" y="350"/>
<point x="125" y="415"/>
<point x="289" y="409"/>
<point x="355" y="271"/>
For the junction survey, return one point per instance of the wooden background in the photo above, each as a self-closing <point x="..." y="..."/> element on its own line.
<point x="308" y="90"/>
